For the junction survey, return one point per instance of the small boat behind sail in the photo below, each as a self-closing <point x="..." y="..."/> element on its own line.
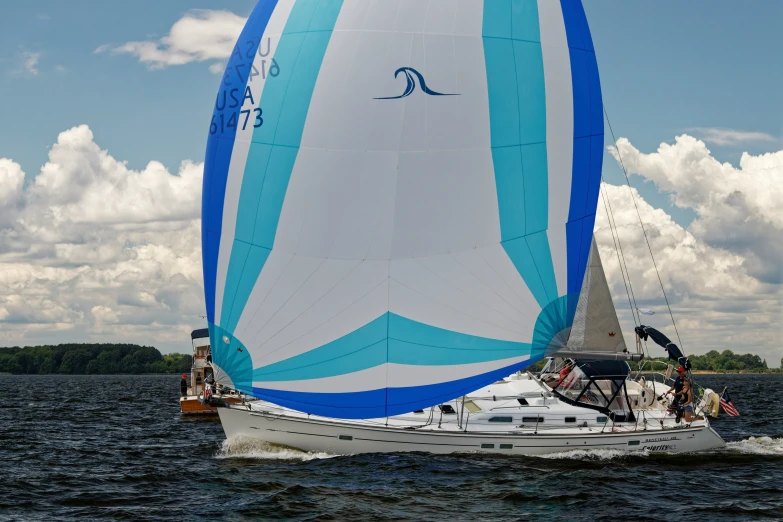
<point x="197" y="386"/>
<point x="398" y="210"/>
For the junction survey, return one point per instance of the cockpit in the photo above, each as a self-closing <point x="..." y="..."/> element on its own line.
<point x="599" y="385"/>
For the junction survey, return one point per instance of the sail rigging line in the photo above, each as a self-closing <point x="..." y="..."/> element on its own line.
<point x="618" y="251"/>
<point x="644" y="231"/>
<point x="618" y="247"/>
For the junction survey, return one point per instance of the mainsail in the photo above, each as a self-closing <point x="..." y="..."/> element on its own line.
<point x="596" y="330"/>
<point x="399" y="198"/>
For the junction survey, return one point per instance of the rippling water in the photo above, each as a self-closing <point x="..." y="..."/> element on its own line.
<point x="115" y="447"/>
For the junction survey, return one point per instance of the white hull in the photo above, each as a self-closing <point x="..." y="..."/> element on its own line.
<point x="341" y="438"/>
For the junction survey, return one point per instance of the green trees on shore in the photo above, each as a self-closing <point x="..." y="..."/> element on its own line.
<point x="727" y="361"/>
<point x="91" y="359"/>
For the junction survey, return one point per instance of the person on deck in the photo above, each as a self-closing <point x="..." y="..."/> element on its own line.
<point x="686" y="403"/>
<point x="677" y="387"/>
<point x="183" y="385"/>
<point x="569" y="365"/>
<point x="207" y="386"/>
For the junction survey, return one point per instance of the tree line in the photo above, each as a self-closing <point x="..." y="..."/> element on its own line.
<point x="725" y="361"/>
<point x="91" y="359"/>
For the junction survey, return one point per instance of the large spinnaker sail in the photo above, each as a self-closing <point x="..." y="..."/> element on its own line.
<point x="596" y="329"/>
<point x="399" y="198"/>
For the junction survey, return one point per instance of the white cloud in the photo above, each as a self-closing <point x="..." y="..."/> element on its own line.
<point x="103" y="314"/>
<point x="737" y="208"/>
<point x="91" y="250"/>
<point x="722" y="136"/>
<point x="94" y="251"/>
<point x="722" y="273"/>
<point x="200" y="35"/>
<point x="11" y="179"/>
<point x="82" y="184"/>
<point x="30" y="62"/>
<point x="26" y="63"/>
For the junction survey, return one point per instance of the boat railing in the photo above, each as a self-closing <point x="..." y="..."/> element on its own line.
<point x="699" y="392"/>
<point x="652" y="376"/>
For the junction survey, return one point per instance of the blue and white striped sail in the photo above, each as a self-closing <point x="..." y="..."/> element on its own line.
<point x="399" y="198"/>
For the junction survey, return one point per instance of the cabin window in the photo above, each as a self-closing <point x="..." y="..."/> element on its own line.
<point x="532" y="420"/>
<point x="487" y="446"/>
<point x="446" y="408"/>
<point x="523" y="402"/>
<point x="633" y="442"/>
<point x="419" y="411"/>
<point x="601" y="420"/>
<point x="506" y="446"/>
<point x="345" y="437"/>
<point x="570" y="419"/>
<point x="501" y="419"/>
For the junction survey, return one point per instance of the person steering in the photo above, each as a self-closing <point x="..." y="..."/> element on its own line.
<point x="677" y="388"/>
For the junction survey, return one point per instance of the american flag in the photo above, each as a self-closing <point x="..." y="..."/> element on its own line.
<point x="728" y="406"/>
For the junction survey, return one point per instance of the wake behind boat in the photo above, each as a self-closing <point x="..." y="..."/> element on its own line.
<point x="398" y="212"/>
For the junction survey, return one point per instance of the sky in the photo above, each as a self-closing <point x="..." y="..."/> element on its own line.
<point x="104" y="124"/>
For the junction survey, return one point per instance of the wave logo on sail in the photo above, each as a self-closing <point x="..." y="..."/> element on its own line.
<point x="410" y="72"/>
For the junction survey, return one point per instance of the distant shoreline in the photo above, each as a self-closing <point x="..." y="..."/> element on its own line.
<point x="96" y="374"/>
<point x="736" y="372"/>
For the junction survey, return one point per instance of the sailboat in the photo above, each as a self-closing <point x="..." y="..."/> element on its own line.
<point x="397" y="219"/>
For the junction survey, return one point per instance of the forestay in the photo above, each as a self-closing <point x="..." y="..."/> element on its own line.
<point x="399" y="198"/>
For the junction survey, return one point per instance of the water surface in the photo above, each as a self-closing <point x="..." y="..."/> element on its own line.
<point x="116" y="447"/>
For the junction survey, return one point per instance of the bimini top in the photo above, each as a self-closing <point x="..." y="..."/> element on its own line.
<point x="398" y="199"/>
<point x="200" y="333"/>
<point x="600" y="369"/>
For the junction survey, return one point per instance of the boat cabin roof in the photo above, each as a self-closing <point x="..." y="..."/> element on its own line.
<point x="200" y="333"/>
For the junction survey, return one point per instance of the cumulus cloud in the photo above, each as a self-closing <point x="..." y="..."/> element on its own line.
<point x="722" y="136"/>
<point x="722" y="273"/>
<point x="91" y="250"/>
<point x="737" y="209"/>
<point x="11" y="179"/>
<point x="94" y="251"/>
<point x="199" y="36"/>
